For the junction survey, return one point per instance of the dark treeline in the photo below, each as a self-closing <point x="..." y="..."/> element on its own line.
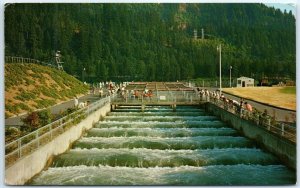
<point x="155" y="41"/>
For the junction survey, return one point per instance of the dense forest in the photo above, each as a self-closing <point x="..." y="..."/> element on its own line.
<point x="155" y="41"/>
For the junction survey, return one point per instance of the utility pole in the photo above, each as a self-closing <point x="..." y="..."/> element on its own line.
<point x="83" y="74"/>
<point x="195" y="34"/>
<point x="58" y="62"/>
<point x="230" y="76"/>
<point x="219" y="48"/>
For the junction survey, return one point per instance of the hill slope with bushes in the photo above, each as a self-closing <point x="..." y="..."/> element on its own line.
<point x="29" y="87"/>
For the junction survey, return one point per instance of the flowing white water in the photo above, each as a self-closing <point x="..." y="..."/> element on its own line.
<point x="162" y="147"/>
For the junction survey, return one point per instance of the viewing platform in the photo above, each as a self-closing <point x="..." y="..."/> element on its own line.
<point x="156" y="93"/>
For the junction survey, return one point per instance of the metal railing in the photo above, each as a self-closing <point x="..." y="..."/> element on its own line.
<point x="11" y="59"/>
<point x="159" y="97"/>
<point x="31" y="142"/>
<point x="281" y="129"/>
<point x="189" y="97"/>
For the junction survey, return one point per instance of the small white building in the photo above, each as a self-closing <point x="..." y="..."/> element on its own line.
<point x="245" y="82"/>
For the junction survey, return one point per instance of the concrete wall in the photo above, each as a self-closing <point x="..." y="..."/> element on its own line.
<point x="284" y="149"/>
<point x="27" y="167"/>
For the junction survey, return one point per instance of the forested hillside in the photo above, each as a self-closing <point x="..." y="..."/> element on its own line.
<point x="154" y="41"/>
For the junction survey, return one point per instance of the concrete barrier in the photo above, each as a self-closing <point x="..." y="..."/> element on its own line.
<point x="284" y="149"/>
<point x="29" y="166"/>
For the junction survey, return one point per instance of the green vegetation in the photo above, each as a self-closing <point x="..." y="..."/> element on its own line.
<point x="36" y="120"/>
<point x="25" y="96"/>
<point x="23" y="106"/>
<point x="43" y="87"/>
<point x="44" y="117"/>
<point x="153" y="41"/>
<point x="288" y="90"/>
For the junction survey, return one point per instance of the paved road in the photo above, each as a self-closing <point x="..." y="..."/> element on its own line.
<point x="54" y="109"/>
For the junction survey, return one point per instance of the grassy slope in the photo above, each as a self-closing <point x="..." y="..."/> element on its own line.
<point x="284" y="97"/>
<point x="29" y="87"/>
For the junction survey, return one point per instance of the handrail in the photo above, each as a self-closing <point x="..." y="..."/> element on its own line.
<point x="279" y="128"/>
<point x="13" y="59"/>
<point x="18" y="145"/>
<point x="177" y="97"/>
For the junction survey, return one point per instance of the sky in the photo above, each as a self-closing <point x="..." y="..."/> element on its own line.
<point x="283" y="7"/>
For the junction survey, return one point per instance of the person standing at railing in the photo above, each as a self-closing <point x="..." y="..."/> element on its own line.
<point x="207" y="95"/>
<point x="263" y="119"/>
<point x="217" y="97"/>
<point x="225" y="103"/>
<point x="248" y="110"/>
<point x="101" y="92"/>
<point x="131" y="94"/>
<point x="76" y="102"/>
<point x="241" y="108"/>
<point x="236" y="106"/>
<point x="213" y="94"/>
<point x="201" y="95"/>
<point x="136" y="94"/>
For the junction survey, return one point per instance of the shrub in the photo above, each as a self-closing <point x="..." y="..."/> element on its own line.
<point x="32" y="120"/>
<point x="12" y="131"/>
<point x="12" y="108"/>
<point x="44" y="103"/>
<point x="7" y="115"/>
<point x="25" y="96"/>
<point x="44" y="117"/>
<point x="23" y="106"/>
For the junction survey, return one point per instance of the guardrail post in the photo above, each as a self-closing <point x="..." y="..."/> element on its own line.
<point x="37" y="137"/>
<point x="269" y="123"/>
<point x="282" y="129"/>
<point x="19" y="149"/>
<point x="257" y="119"/>
<point x="50" y="131"/>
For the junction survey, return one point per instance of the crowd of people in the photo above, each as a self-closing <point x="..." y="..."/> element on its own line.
<point x="121" y="90"/>
<point x="242" y="108"/>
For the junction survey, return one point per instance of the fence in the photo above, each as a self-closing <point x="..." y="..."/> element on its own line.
<point x="10" y="59"/>
<point x="29" y="143"/>
<point x="190" y="97"/>
<point x="265" y="121"/>
<point x="159" y="97"/>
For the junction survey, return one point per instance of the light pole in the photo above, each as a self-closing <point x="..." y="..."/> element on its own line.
<point x="83" y="72"/>
<point x="219" y="48"/>
<point x="230" y="76"/>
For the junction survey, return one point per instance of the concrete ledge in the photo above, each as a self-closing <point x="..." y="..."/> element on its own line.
<point x="284" y="149"/>
<point x="27" y="167"/>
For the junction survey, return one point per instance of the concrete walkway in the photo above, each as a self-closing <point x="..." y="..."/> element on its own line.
<point x="56" y="109"/>
<point x="281" y="114"/>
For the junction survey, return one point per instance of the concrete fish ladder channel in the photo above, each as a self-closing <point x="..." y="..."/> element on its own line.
<point x="162" y="147"/>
